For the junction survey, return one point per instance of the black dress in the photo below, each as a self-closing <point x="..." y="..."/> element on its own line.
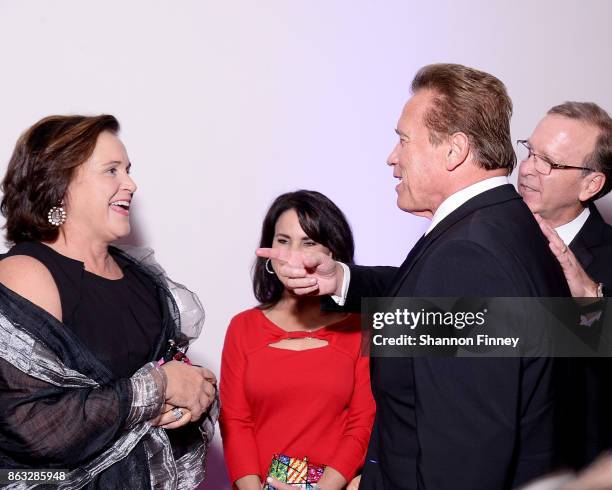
<point x="110" y="329"/>
<point x="119" y="321"/>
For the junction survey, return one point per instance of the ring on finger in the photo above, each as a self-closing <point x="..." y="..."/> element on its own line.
<point x="178" y="413"/>
<point x="564" y="251"/>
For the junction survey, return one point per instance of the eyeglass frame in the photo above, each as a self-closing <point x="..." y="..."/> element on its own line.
<point x="548" y="161"/>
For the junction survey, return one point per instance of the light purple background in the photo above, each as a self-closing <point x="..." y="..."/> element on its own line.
<point x="225" y="105"/>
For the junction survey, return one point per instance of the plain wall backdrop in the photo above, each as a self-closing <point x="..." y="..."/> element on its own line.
<point x="225" y="105"/>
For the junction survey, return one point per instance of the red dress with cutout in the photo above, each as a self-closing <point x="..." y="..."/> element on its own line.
<point x="315" y="403"/>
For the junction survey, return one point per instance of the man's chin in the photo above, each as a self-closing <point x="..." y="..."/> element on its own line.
<point x="423" y="213"/>
<point x="403" y="205"/>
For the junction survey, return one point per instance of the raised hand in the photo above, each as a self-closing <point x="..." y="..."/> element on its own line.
<point x="305" y="273"/>
<point x="579" y="282"/>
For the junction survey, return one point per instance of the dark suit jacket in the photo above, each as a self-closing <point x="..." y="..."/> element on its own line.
<point x="593" y="247"/>
<point x="460" y="423"/>
<point x="584" y="415"/>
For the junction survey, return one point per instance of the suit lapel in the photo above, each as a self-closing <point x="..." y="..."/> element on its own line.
<point x="589" y="236"/>
<point x="406" y="266"/>
<point x="582" y="253"/>
<point x="488" y="198"/>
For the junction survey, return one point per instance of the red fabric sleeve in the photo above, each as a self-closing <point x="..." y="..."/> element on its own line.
<point x="236" y="422"/>
<point x="350" y="453"/>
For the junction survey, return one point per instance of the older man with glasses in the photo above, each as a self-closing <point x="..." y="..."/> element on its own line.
<point x="566" y="164"/>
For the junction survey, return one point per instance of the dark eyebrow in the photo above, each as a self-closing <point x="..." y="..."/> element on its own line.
<point x="287" y="236"/>
<point x="117" y="162"/>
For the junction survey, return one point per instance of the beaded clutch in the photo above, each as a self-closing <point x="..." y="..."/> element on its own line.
<point x="296" y="472"/>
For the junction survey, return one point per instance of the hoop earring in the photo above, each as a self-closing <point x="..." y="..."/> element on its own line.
<point x="268" y="270"/>
<point x="57" y="215"/>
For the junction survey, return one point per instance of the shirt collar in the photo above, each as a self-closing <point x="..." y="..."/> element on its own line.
<point x="568" y="231"/>
<point x="455" y="200"/>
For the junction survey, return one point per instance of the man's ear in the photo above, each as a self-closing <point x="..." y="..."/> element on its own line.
<point x="591" y="185"/>
<point x="458" y="150"/>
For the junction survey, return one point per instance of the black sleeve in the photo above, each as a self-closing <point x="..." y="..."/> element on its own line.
<point x="44" y="425"/>
<point x="366" y="282"/>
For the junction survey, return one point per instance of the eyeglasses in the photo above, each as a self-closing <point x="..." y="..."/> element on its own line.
<point x="542" y="163"/>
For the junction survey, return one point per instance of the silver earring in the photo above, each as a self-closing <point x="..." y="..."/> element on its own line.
<point x="57" y="215"/>
<point x="268" y="270"/>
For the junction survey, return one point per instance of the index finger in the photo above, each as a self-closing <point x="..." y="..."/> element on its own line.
<point x="273" y="253"/>
<point x="542" y="222"/>
<point x="294" y="259"/>
<point x="548" y="231"/>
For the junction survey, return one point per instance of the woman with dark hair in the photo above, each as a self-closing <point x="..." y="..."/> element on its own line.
<point x="92" y="336"/>
<point x="293" y="382"/>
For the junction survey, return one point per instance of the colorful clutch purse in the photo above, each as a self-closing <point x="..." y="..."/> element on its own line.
<point x="297" y="472"/>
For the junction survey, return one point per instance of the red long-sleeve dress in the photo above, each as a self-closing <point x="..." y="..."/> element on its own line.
<point x="315" y="403"/>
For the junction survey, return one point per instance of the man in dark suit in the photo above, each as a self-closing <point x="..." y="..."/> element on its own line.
<point x="453" y="423"/>
<point x="566" y="165"/>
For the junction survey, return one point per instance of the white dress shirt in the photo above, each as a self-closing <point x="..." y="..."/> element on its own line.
<point x="455" y="200"/>
<point x="568" y="231"/>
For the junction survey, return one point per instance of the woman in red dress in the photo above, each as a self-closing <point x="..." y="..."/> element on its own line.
<point x="293" y="381"/>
